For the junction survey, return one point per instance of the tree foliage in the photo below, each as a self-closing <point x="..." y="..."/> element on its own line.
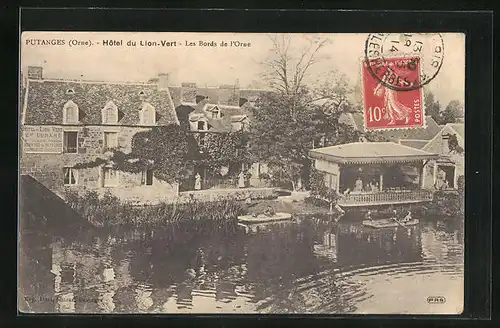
<point x="432" y="107"/>
<point x="453" y="112"/>
<point x="294" y="118"/>
<point x="453" y="144"/>
<point x="167" y="150"/>
<point x="223" y="149"/>
<point x="320" y="190"/>
<point x="282" y="138"/>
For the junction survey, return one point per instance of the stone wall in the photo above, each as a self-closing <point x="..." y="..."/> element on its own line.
<point x="48" y="168"/>
<point x="224" y="194"/>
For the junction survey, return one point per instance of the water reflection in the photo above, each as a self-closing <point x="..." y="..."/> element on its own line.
<point x="309" y="266"/>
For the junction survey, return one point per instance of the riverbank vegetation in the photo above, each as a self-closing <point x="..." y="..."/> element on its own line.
<point x="446" y="204"/>
<point x="109" y="210"/>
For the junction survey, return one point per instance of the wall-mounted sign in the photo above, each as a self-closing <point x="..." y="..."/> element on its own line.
<point x="42" y="139"/>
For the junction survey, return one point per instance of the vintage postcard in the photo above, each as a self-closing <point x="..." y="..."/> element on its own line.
<point x="171" y="173"/>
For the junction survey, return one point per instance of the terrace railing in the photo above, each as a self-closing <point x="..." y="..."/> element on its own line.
<point x="385" y="197"/>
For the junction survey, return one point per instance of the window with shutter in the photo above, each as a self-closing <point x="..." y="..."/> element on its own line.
<point x="201" y="126"/>
<point x="110" y="140"/>
<point x="110" y="177"/>
<point x="70" y="176"/>
<point x="147" y="177"/>
<point x="70" y="142"/>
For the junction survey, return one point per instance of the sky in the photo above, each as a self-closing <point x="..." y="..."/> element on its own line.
<point x="207" y="65"/>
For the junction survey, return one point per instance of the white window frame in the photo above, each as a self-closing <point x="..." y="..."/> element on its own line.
<point x="205" y="125"/>
<point x="216" y="112"/>
<point x="64" y="140"/>
<point x="110" y="110"/>
<point x="70" y="105"/>
<point x="201" y="140"/>
<point x="330" y="180"/>
<point x="147" y="108"/>
<point x="103" y="177"/>
<point x="104" y="144"/>
<point x="71" y="170"/>
<point x="145" y="177"/>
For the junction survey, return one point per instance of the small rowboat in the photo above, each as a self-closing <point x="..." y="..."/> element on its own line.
<point x="264" y="226"/>
<point x="389" y="223"/>
<point x="261" y="218"/>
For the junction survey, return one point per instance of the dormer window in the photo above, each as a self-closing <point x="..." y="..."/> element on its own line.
<point x="141" y="93"/>
<point x="70" y="113"/>
<point x="216" y="112"/>
<point x="110" y="113"/>
<point x="70" y="91"/>
<point x="147" y="115"/>
<point x="202" y="126"/>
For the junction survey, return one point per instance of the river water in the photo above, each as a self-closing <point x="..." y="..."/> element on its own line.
<point x="308" y="266"/>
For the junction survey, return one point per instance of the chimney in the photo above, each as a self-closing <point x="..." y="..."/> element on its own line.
<point x="35" y="72"/>
<point x="162" y="81"/>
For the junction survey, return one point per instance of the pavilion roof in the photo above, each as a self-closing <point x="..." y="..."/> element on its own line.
<point x="370" y="152"/>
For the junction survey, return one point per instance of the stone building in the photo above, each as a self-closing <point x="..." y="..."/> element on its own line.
<point x="433" y="138"/>
<point x="67" y="123"/>
<point x="451" y="163"/>
<point x="218" y="109"/>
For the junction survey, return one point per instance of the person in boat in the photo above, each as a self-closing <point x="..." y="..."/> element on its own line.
<point x="368" y="215"/>
<point x="407" y="218"/>
<point x="269" y="211"/>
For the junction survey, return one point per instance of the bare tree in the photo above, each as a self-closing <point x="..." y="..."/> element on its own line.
<point x="287" y="122"/>
<point x="287" y="66"/>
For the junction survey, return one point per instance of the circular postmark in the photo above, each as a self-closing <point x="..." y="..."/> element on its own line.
<point x="404" y="61"/>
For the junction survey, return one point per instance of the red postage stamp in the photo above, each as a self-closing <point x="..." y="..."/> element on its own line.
<point x="392" y="93"/>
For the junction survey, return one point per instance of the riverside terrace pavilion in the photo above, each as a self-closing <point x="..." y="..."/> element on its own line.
<point x="374" y="173"/>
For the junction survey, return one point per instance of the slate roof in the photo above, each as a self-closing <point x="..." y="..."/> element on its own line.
<point x="356" y="120"/>
<point x="370" y="152"/>
<point x="353" y="119"/>
<point x="427" y="133"/>
<point x="46" y="99"/>
<point x="230" y="114"/>
<point x="214" y="94"/>
<point x="419" y="144"/>
<point x="459" y="128"/>
<point x="175" y="93"/>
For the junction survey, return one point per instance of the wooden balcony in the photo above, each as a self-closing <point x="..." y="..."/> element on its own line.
<point x="385" y="198"/>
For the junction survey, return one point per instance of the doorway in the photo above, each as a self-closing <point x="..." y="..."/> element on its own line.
<point x="449" y="174"/>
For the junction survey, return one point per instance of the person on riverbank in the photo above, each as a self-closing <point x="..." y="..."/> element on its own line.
<point x="241" y="180"/>
<point x="197" y="182"/>
<point x="407" y="218"/>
